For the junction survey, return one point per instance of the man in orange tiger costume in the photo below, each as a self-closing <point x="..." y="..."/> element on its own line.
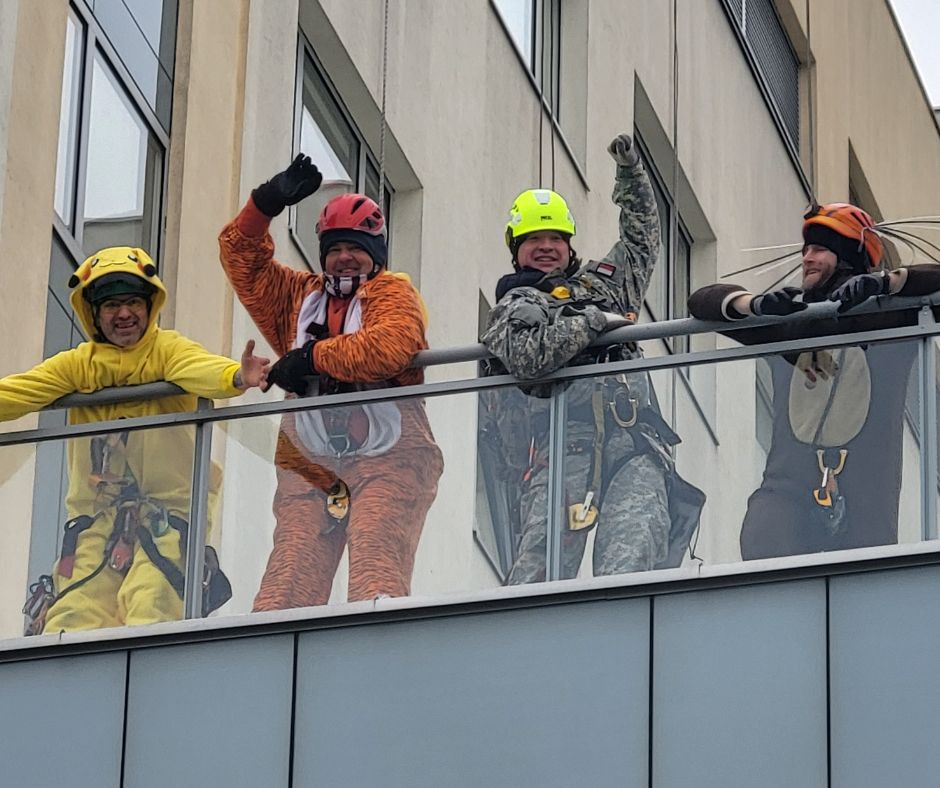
<point x="358" y="475"/>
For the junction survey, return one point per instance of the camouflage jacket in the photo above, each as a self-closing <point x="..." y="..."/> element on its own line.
<point x="533" y="332"/>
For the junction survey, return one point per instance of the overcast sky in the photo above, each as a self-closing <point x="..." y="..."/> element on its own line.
<point x="920" y="23"/>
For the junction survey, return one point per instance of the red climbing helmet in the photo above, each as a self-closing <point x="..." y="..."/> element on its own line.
<point x="352" y="212"/>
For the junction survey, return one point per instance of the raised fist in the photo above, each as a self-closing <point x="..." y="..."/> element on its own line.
<point x="623" y="150"/>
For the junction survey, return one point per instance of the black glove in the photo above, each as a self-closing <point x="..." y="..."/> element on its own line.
<point x="623" y="150"/>
<point x="778" y="302"/>
<point x="291" y="370"/>
<point x="860" y="288"/>
<point x="299" y="180"/>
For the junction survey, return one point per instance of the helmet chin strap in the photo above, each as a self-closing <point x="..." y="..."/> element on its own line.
<point x="346" y="286"/>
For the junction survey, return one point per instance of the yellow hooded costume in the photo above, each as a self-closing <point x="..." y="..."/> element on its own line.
<point x="147" y="471"/>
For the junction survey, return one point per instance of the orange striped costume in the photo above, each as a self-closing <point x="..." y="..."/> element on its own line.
<point x="390" y="494"/>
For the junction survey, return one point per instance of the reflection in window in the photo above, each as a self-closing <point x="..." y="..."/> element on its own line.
<point x="337" y="148"/>
<point x="535" y="28"/>
<point x="68" y="122"/>
<point x="519" y="17"/>
<point x="123" y="171"/>
<point x="143" y="32"/>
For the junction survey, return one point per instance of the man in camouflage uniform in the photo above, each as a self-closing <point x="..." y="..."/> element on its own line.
<point x="548" y="312"/>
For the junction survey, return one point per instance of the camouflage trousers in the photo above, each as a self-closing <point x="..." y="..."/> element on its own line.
<point x="633" y="522"/>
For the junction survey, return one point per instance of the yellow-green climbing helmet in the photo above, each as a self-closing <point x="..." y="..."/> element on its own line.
<point x="537" y="210"/>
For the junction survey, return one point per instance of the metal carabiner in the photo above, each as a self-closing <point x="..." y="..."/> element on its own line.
<point x="634" y="404"/>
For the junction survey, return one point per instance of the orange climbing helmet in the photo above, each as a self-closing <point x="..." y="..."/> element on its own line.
<point x="847" y="231"/>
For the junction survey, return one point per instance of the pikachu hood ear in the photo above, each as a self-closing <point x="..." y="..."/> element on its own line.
<point x="117" y="270"/>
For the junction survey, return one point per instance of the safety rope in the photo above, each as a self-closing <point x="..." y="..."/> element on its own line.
<point x="384" y="120"/>
<point x="674" y="214"/>
<point x="552" y="4"/>
<point x="811" y="137"/>
<point x="538" y="78"/>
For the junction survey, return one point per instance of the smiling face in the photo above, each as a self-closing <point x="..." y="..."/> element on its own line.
<point x="544" y="251"/>
<point x="347" y="259"/>
<point x="123" y="319"/>
<point x="819" y="264"/>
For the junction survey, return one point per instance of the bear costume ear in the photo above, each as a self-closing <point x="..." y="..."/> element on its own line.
<point x="149" y="270"/>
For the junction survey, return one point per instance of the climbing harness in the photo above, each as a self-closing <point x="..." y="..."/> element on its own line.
<point x="137" y="519"/>
<point x="827" y="495"/>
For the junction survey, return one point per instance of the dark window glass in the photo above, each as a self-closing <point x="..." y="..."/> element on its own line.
<point x="328" y="136"/>
<point x="66" y="159"/>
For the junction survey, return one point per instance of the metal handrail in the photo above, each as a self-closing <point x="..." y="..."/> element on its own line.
<point x="640" y="332"/>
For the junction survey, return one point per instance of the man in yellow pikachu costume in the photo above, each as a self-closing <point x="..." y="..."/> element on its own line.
<point x="121" y="560"/>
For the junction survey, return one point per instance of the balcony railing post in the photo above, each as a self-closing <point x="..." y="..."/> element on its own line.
<point x="198" y="517"/>
<point x="928" y="425"/>
<point x="557" y="516"/>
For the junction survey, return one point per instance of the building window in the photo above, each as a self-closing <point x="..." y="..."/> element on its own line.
<point x="112" y="142"/>
<point x="535" y="28"/>
<point x="327" y="134"/>
<point x="668" y="293"/>
<point x="768" y="47"/>
<point x="113" y="135"/>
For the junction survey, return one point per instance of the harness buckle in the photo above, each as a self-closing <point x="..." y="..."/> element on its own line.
<point x="582" y="515"/>
<point x="337" y="506"/>
<point x="40" y="599"/>
<point x="614" y="406"/>
<point x="828" y="489"/>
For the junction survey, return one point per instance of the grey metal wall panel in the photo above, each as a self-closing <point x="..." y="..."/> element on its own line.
<point x="550" y="697"/>
<point x="885" y="659"/>
<point x="214" y="714"/>
<point x="739" y="687"/>
<point x="61" y="722"/>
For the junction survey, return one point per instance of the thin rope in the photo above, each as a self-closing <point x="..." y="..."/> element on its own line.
<point x="811" y="137"/>
<point x="541" y="65"/>
<point x="551" y="75"/>
<point x="674" y="216"/>
<point x="384" y="119"/>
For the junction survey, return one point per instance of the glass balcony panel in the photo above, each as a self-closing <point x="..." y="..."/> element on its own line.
<point x="415" y="521"/>
<point x="808" y="452"/>
<point x="108" y="521"/>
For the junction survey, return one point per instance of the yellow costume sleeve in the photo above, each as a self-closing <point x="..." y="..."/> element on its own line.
<point x="32" y="390"/>
<point x="193" y="368"/>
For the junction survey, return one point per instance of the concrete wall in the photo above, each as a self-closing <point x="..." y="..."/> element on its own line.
<point x="32" y="46"/>
<point x="869" y="96"/>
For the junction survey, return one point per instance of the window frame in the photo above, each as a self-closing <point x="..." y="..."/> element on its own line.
<point x="365" y="157"/>
<point x="738" y="25"/>
<point x="673" y="310"/>
<point x="534" y="63"/>
<point x="93" y="43"/>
